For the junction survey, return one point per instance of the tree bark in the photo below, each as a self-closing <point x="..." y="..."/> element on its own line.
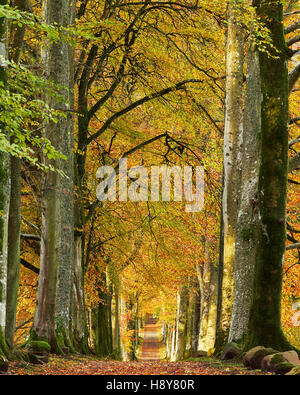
<point x="66" y="196"/>
<point x="265" y="314"/>
<point x="181" y="320"/>
<point x="14" y="220"/>
<point x="247" y="222"/>
<point x="208" y="282"/>
<point x="4" y="198"/>
<point x="53" y="300"/>
<point x="232" y="142"/>
<point x="116" y="324"/>
<point x="78" y="316"/>
<point x="13" y="254"/>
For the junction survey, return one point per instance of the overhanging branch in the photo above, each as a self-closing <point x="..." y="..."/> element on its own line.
<point x="132" y="106"/>
<point x="293" y="246"/>
<point x="29" y="266"/>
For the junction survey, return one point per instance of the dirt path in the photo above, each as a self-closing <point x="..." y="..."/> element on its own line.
<point x="150" y="348"/>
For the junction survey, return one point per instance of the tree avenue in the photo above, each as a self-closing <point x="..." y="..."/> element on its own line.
<point x="149" y="176"/>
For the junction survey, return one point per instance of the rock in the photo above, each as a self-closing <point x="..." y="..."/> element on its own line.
<point x="294" y="372"/>
<point x="280" y="363"/>
<point x="283" y="367"/>
<point x="199" y="354"/>
<point x="230" y="351"/>
<point x="292" y="357"/>
<point x="253" y="358"/>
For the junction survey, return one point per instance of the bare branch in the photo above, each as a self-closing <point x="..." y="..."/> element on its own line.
<point x="294" y="162"/>
<point x="293" y="40"/>
<point x="293" y="246"/>
<point x="291" y="28"/>
<point x="29" y="266"/>
<point x="30" y="237"/>
<point x="138" y="103"/>
<point x="294" y="74"/>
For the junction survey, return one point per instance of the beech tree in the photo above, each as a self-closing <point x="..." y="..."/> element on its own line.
<point x="265" y="314"/>
<point x="232" y="164"/>
<point x="52" y="314"/>
<point x="155" y="83"/>
<point x="4" y="196"/>
<point x="256" y="161"/>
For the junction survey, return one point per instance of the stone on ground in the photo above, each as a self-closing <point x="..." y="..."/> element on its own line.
<point x="253" y="358"/>
<point x="230" y="351"/>
<point x="280" y="363"/>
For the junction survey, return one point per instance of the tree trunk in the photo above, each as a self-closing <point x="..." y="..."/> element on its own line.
<point x="173" y="336"/>
<point x="182" y="307"/>
<point x="13" y="253"/>
<point x="116" y="324"/>
<point x="247" y="223"/>
<point x="232" y="142"/>
<point x="78" y="316"/>
<point x="14" y="220"/>
<point x="103" y="328"/>
<point x="4" y="199"/>
<point x="52" y="309"/>
<point x="66" y="250"/>
<point x="196" y="306"/>
<point x="265" y="314"/>
<point x="123" y="328"/>
<point x="208" y="283"/>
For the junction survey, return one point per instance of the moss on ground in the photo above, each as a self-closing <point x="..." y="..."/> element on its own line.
<point x="38" y="346"/>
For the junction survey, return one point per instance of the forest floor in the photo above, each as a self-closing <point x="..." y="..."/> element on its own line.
<point x="149" y="363"/>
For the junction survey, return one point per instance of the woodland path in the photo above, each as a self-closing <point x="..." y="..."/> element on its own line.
<point x="149" y="363"/>
<point x="150" y="347"/>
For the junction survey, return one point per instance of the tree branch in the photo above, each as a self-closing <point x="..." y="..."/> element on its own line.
<point x="294" y="162"/>
<point x="294" y="74"/>
<point x="30" y="237"/>
<point x="136" y="104"/>
<point x="29" y="266"/>
<point x="291" y="28"/>
<point x="293" y="246"/>
<point x="293" y="40"/>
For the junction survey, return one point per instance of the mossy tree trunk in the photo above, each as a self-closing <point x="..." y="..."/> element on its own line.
<point x="232" y="141"/>
<point x="4" y="198"/>
<point x="117" y="352"/>
<point x="172" y="341"/>
<point x="208" y="283"/>
<point x="103" y="329"/>
<point x="17" y="34"/>
<point x="66" y="192"/>
<point x="56" y="262"/>
<point x="247" y="222"/>
<point x="196" y="313"/>
<point x="79" y="331"/>
<point x="265" y="314"/>
<point x="181" y="320"/>
<point x="133" y="326"/>
<point x="102" y="319"/>
<point x="123" y="328"/>
<point x="13" y="254"/>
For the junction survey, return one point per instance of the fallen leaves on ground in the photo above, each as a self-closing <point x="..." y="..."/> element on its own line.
<point x="83" y="365"/>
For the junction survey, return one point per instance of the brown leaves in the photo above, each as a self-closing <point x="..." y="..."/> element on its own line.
<point x="84" y="365"/>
